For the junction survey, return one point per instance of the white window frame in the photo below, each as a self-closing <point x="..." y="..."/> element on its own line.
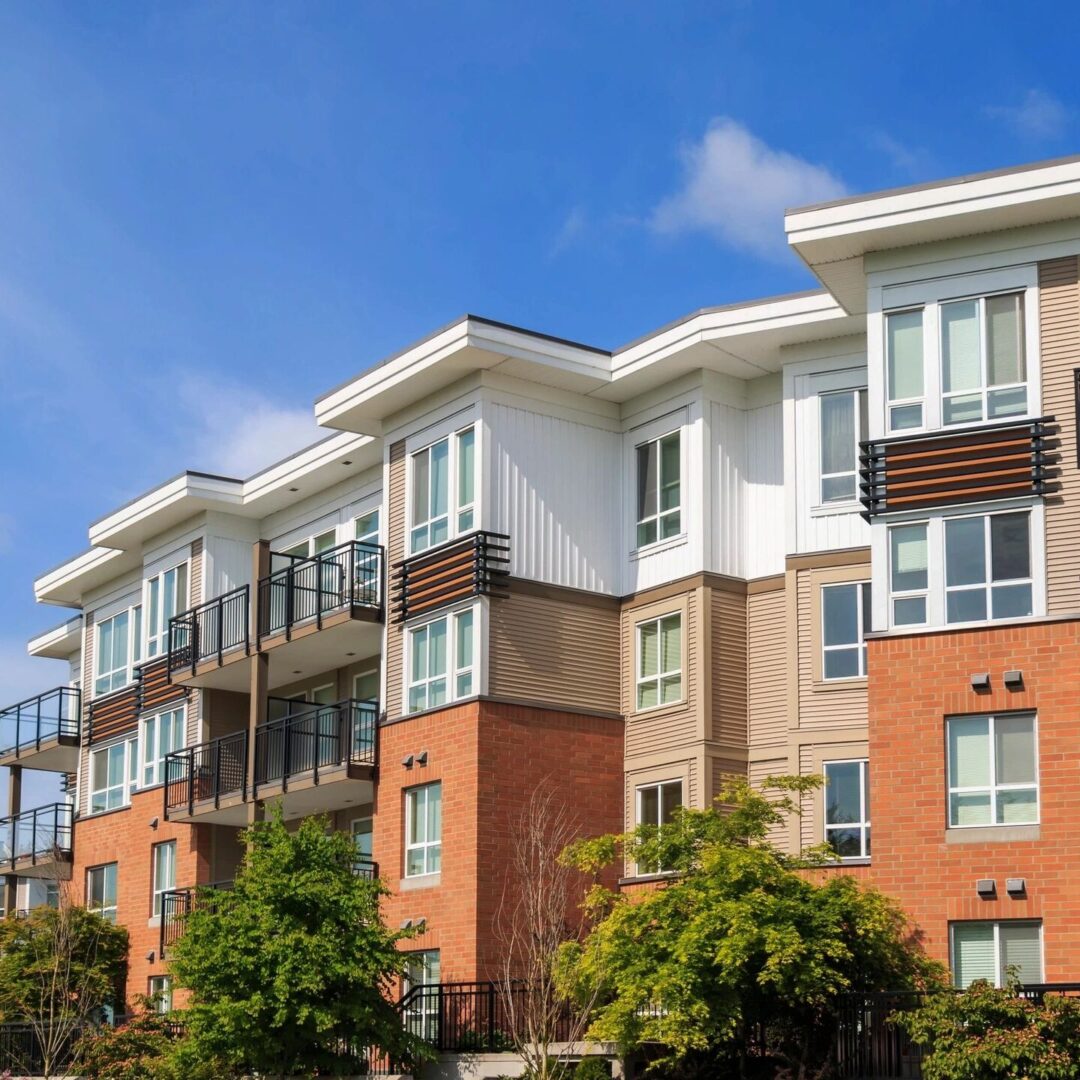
<point x="994" y="787"/>
<point x="863" y="824"/>
<point x="151" y="757"/>
<point x="370" y="536"/>
<point x="989" y="583"/>
<point x="422" y="1019"/>
<point x="129" y="747"/>
<point x="106" y="911"/>
<point x="134" y="631"/>
<point x="996" y="924"/>
<point x="161" y="985"/>
<point x="903" y="402"/>
<point x="678" y="510"/>
<point x="431" y="849"/>
<point x="858" y="396"/>
<point x="461" y="518"/>
<point x="453" y="674"/>
<point x="157" y="886"/>
<point x="862" y="621"/>
<point x="657" y="786"/>
<point x="354" y="832"/>
<point x="641" y="680"/>
<point x="157" y="636"/>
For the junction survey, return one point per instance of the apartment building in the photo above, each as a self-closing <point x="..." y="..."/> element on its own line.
<point x="825" y="533"/>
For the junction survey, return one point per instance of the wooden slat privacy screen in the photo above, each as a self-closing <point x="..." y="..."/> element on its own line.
<point x="119" y="713"/>
<point x="996" y="461"/>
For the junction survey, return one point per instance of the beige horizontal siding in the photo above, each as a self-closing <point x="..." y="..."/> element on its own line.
<point x="759" y="771"/>
<point x="728" y="649"/>
<point x="767" y="649"/>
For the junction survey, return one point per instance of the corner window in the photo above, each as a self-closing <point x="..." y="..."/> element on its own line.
<point x="909" y="574"/>
<point x="845" y="619"/>
<point x="367" y="527"/>
<point x="421" y="1009"/>
<point x="847" y="808"/>
<point x="118" y="649"/>
<point x="443" y="500"/>
<point x="656" y="806"/>
<point x="987" y="950"/>
<point x="993" y="771"/>
<point x="659" y="489"/>
<point x="904" y="370"/>
<point x="659" y="662"/>
<point x="101" y="890"/>
<point x="843" y="425"/>
<point x="161" y="735"/>
<point x="113" y="775"/>
<point x="441" y="661"/>
<point x="163" y="873"/>
<point x="423" y="830"/>
<point x="159" y="990"/>
<point x="166" y="596"/>
<point x="987" y="567"/>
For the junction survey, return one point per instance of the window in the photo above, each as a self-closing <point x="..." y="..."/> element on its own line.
<point x="847" y="808"/>
<point x="988" y="950"/>
<point x="164" y="873"/>
<point x="993" y="771"/>
<point x="987" y="567"/>
<point x="659" y="465"/>
<point x="366" y="686"/>
<point x="659" y="644"/>
<point x="423" y="830"/>
<point x="362" y="834"/>
<point x="909" y="570"/>
<point x="904" y="370"/>
<point x="161" y="735"/>
<point x="119" y="648"/>
<point x="367" y="527"/>
<point x="101" y="890"/>
<point x="443" y="490"/>
<point x="113" y="774"/>
<point x="159" y="990"/>
<point x="656" y="806"/>
<point x="845" y="615"/>
<point x="421" y="1011"/>
<point x="431" y="648"/>
<point x="983" y="370"/>
<point x="166" y="596"/>
<point x="843" y="424"/>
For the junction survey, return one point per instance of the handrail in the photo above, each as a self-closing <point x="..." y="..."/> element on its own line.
<point x="53" y="714"/>
<point x="210" y="630"/>
<point x="40" y="835"/>
<point x="206" y="772"/>
<point x="308" y="588"/>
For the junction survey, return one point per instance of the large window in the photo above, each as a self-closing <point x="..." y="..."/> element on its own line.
<point x="656" y="806"/>
<point x="443" y="490"/>
<point x="659" y="489"/>
<point x="995" y="950"/>
<point x="162" y="734"/>
<point x="163" y="873"/>
<point x="118" y="649"/>
<point x="909" y="574"/>
<point x="847" y="808"/>
<point x="101" y="890"/>
<point x="845" y="619"/>
<point x="659" y="662"/>
<point x="113" y="775"/>
<point x="166" y="596"/>
<point x="987" y="567"/>
<point x="441" y="661"/>
<point x="421" y="1010"/>
<point x="423" y="830"/>
<point x="993" y="770"/>
<point x="904" y="370"/>
<point x="842" y="417"/>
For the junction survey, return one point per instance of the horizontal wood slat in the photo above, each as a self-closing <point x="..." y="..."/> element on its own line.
<point x="113" y="715"/>
<point x="995" y="461"/>
<point x="155" y="690"/>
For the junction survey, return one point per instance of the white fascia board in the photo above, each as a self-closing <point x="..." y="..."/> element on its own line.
<point x="60" y="642"/>
<point x="65" y="584"/>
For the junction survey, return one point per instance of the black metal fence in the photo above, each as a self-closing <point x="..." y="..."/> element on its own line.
<point x="349" y="575"/>
<point x="210" y="630"/>
<point x="177" y="904"/>
<point x="36" y="836"/>
<point x="50" y="716"/>
<point x="206" y="772"/>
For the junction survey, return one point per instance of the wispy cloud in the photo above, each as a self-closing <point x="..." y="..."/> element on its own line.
<point x="913" y="160"/>
<point x="736" y="187"/>
<point x="570" y="231"/>
<point x="1039" y="116"/>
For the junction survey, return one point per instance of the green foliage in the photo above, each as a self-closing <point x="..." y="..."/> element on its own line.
<point x="593" y="1068"/>
<point x="294" y="961"/>
<point x="988" y="1034"/>
<point x="58" y="965"/>
<point x="741" y="941"/>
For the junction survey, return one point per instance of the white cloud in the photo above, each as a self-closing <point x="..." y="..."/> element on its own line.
<point x="736" y="188"/>
<point x="912" y="160"/>
<point x="1039" y="116"/>
<point x="236" y="431"/>
<point x="572" y="227"/>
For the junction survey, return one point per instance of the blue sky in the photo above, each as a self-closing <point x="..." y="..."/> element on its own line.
<point x="212" y="213"/>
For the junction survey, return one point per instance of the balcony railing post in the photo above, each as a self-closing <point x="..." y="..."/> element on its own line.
<point x="290" y="600"/>
<point x="491" y="1016"/>
<point x="216" y="766"/>
<point x="191" y="781"/>
<point x="37" y="742"/>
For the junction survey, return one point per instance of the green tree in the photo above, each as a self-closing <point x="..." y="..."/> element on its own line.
<point x="294" y="962"/>
<point x="988" y="1034"/>
<point x="736" y="962"/>
<point x="58" y="968"/>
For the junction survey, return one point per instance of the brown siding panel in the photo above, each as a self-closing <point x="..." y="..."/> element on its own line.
<point x="767" y="664"/>
<point x="728" y="649"/>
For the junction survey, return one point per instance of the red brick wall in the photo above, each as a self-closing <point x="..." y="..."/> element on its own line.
<point x="915" y="683"/>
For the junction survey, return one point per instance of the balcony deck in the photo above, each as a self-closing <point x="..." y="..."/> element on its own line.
<point x="206" y="642"/>
<point x="208" y="782"/>
<point x="43" y="732"/>
<point x="37" y="843"/>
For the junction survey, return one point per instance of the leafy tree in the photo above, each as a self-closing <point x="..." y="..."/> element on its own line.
<point x="988" y="1034"/>
<point x="736" y="962"/>
<point x="58" y="968"/>
<point x="294" y="964"/>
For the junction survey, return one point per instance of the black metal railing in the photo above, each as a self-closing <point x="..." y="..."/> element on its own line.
<point x="206" y="773"/>
<point x="177" y="904"/>
<point x="310" y="738"/>
<point x="365" y="868"/>
<point x="304" y="589"/>
<point x="36" y="836"/>
<point x="210" y="630"/>
<point x="49" y="717"/>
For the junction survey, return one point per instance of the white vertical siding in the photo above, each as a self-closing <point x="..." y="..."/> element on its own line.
<point x="764" y="491"/>
<point x="728" y="497"/>
<point x="226" y="565"/>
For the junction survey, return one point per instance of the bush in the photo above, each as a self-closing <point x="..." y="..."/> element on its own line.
<point x="593" y="1068"/>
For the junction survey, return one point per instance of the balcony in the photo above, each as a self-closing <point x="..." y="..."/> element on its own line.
<point x="317" y="758"/>
<point x="319" y="612"/>
<point x="37" y="843"/>
<point x="176" y="904"/>
<point x="205" y="641"/>
<point x="208" y="781"/>
<point x="43" y="732"/>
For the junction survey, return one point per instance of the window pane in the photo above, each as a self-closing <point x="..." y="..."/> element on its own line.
<point x="646" y="480"/>
<point x="669" y="472"/>
<point x="649" y="806"/>
<point x="436" y="693"/>
<point x="842" y="663"/>
<point x="907" y="545"/>
<point x="847" y="843"/>
<point x="120" y="643"/>
<point x="1021" y="948"/>
<point x="367" y="526"/>
<point x="464" y="639"/>
<point x="669" y="525"/>
<point x="1017" y="807"/>
<point x="963" y="409"/>
<point x="969" y="752"/>
<point x="969" y="809"/>
<point x="842" y="792"/>
<point x="646" y="533"/>
<point x="671" y="798"/>
<point x="905" y="352"/>
<point x="968" y="605"/>
<point x="838" y="489"/>
<point x="960" y="369"/>
<point x="437" y="648"/>
<point x="1006" y="402"/>
<point x="909" y="611"/>
<point x="420" y="492"/>
<point x="1014" y="747"/>
<point x="648" y="695"/>
<point x="1004" y="340"/>
<point x="671" y="643"/>
<point x="105" y="636"/>
<point x="434" y="813"/>
<point x="902" y="417"/>
<point x="973" y="953"/>
<point x="100" y="770"/>
<point x="417" y="818"/>
<point x="649" y="648"/>
<point x="965" y="551"/>
<point x="1010" y="556"/>
<point x="837" y="433"/>
<point x="466" y="466"/>
<point x="419" y="654"/>
<point x="1012" y="601"/>
<point x="840" y="610"/>
<point x="362" y="837"/>
<point x="440" y="464"/>
<point x="670" y="689"/>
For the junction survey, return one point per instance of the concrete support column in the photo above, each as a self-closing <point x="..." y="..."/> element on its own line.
<point x="11" y="882"/>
